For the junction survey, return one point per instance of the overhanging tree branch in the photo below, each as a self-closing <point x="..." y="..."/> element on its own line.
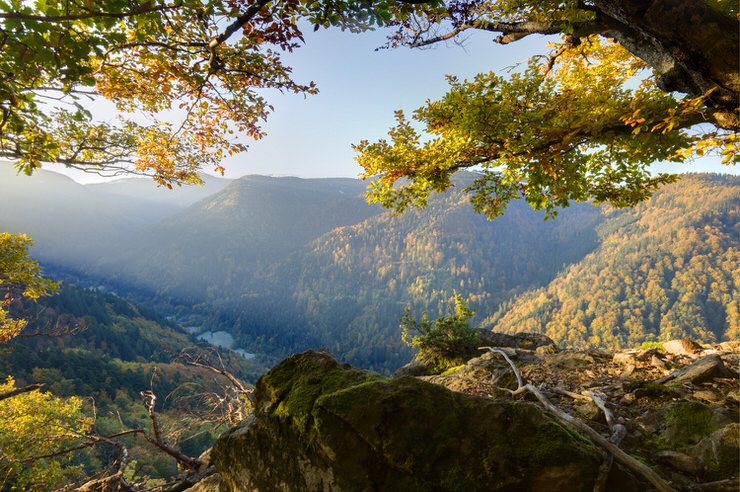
<point x="20" y="391"/>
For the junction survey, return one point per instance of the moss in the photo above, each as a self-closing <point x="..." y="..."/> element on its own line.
<point x="655" y="345"/>
<point x="439" y="364"/>
<point x="323" y="425"/>
<point x="687" y="423"/>
<point x="453" y="370"/>
<point x="297" y="382"/>
<point x="651" y="389"/>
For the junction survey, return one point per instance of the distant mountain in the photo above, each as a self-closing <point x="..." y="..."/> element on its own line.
<point x="668" y="268"/>
<point x="288" y="263"/>
<point x="74" y="224"/>
<point x="353" y="283"/>
<point x="231" y="241"/>
<point x="69" y="223"/>
<point x="146" y="190"/>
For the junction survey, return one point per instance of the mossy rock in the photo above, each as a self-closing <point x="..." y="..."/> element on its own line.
<point x="687" y="423"/>
<point x="720" y="452"/>
<point x="321" y="425"/>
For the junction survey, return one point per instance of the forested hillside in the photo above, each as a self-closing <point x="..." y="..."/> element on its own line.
<point x="229" y="243"/>
<point x="285" y="264"/>
<point x="353" y="284"/>
<point x="317" y="266"/>
<point x="668" y="268"/>
<point x="106" y="351"/>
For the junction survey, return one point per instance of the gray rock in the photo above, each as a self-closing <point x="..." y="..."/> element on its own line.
<point x="682" y="347"/>
<point x="323" y="426"/>
<point x="208" y="484"/>
<point x="570" y="360"/>
<point x="413" y="368"/>
<point x="720" y="452"/>
<point x="625" y="358"/>
<point x="700" y="371"/>
<point x="524" y="341"/>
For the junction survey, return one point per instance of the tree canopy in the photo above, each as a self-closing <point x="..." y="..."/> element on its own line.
<point x="629" y="83"/>
<point x="20" y="277"/>
<point x="187" y="78"/>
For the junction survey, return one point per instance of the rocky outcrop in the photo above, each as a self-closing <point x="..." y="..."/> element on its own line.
<point x="321" y="425"/>
<point x="680" y="406"/>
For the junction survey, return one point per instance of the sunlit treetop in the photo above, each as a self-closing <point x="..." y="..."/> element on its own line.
<point x="211" y="61"/>
<point x="629" y="83"/>
<point x="20" y="278"/>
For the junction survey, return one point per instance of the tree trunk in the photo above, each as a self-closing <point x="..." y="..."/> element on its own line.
<point x="692" y="45"/>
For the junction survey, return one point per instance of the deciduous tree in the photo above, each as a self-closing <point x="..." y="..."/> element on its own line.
<point x="628" y="83"/>
<point x="193" y="72"/>
<point x="20" y="278"/>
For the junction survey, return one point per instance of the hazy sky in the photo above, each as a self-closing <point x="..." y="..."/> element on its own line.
<point x="360" y="89"/>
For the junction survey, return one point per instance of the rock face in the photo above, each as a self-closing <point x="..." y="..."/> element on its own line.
<point x="320" y="425"/>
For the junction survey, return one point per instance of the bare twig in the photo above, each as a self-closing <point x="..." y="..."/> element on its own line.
<point x="150" y="398"/>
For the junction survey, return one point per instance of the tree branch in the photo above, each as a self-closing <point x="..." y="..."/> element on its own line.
<point x="19" y="391"/>
<point x="237" y="24"/>
<point x="149" y="400"/>
<point x="619" y="431"/>
<point x="514" y="31"/>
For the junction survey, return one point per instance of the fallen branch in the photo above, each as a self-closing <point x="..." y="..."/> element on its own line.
<point x="729" y="485"/>
<point x="575" y="396"/>
<point x="619" y="431"/>
<point x="627" y="460"/>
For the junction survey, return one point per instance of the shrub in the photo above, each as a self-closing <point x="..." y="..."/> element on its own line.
<point x="444" y="342"/>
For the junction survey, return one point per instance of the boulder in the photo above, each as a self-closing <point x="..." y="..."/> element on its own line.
<point x="208" y="484"/>
<point x="490" y="370"/>
<point x="523" y="341"/>
<point x="535" y="342"/>
<point x="414" y="368"/>
<point x="321" y="425"/>
<point x="720" y="452"/>
<point x="700" y="371"/>
<point x="682" y="347"/>
<point x="570" y="361"/>
<point x="686" y="423"/>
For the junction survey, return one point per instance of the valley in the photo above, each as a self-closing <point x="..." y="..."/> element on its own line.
<point x="280" y="265"/>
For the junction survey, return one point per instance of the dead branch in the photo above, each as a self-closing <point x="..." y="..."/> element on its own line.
<point x="94" y="441"/>
<point x="236" y="398"/>
<point x="575" y="396"/>
<point x="627" y="460"/>
<point x="729" y="485"/>
<point x="619" y="431"/>
<point x="150" y="399"/>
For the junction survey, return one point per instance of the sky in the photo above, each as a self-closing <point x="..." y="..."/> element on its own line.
<point x="360" y="88"/>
